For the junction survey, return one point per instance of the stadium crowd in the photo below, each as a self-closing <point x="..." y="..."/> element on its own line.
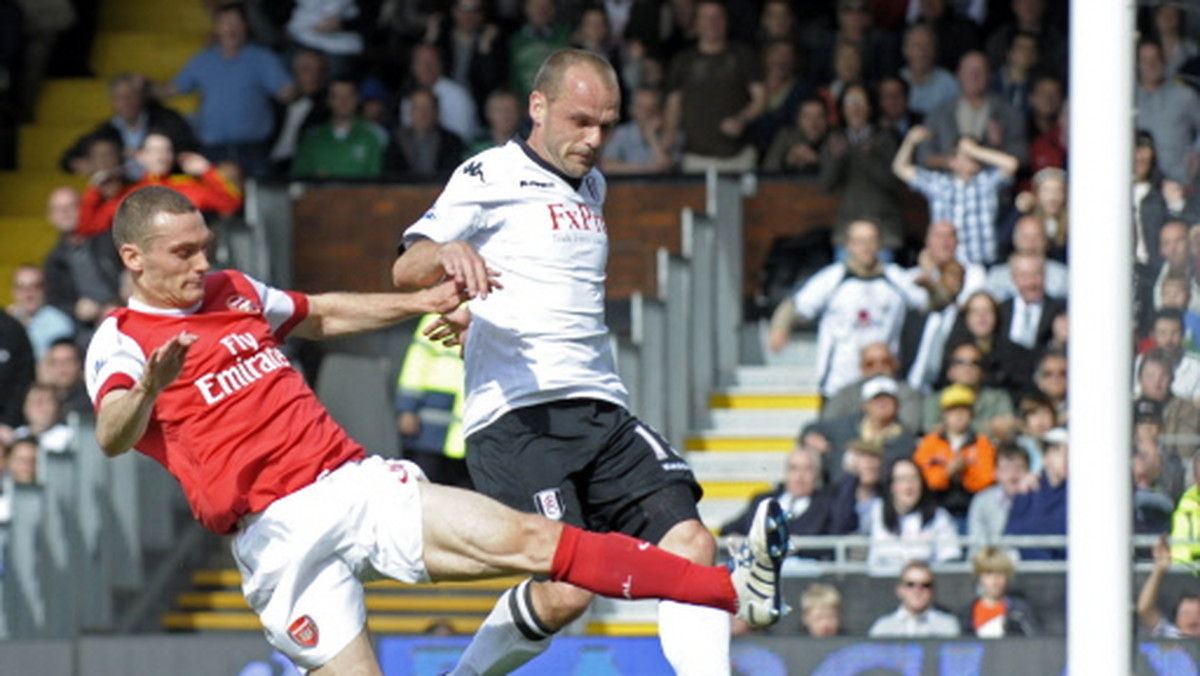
<point x="942" y="364"/>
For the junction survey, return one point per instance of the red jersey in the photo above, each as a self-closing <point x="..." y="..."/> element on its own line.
<point x="239" y="428"/>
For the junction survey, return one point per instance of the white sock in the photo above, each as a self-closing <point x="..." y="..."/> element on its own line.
<point x="694" y="639"/>
<point x="510" y="636"/>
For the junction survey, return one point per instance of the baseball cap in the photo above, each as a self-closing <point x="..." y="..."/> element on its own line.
<point x="1055" y="436"/>
<point x="957" y="395"/>
<point x="877" y="386"/>
<point x="1147" y="410"/>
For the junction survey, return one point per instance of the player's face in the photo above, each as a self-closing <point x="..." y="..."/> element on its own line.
<point x="570" y="131"/>
<point x="169" y="266"/>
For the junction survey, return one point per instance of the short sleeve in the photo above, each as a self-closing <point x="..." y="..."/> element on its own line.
<point x="272" y="75"/>
<point x="283" y="310"/>
<point x="458" y="211"/>
<point x="114" y="361"/>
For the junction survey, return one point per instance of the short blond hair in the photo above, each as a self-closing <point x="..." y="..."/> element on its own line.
<point x="992" y="559"/>
<point x="549" y="78"/>
<point x="820" y="595"/>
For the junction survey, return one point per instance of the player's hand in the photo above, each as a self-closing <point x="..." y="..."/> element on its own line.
<point x="166" y="362"/>
<point x="451" y="328"/>
<point x="442" y="297"/>
<point x="467" y="268"/>
<point x="194" y="163"/>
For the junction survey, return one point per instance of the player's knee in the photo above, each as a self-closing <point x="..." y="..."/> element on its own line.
<point x="691" y="540"/>
<point x="560" y="604"/>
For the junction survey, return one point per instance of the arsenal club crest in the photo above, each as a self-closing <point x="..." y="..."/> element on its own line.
<point x="304" y="631"/>
<point x="243" y="304"/>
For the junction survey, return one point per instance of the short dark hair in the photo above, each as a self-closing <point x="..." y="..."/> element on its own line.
<point x="1011" y="450"/>
<point x="132" y="223"/>
<point x="1170" y="314"/>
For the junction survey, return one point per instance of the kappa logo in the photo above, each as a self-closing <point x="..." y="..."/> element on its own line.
<point x="627" y="588"/>
<point x="304" y="631"/>
<point x="243" y="304"/>
<point x="474" y="169"/>
<point x="549" y="504"/>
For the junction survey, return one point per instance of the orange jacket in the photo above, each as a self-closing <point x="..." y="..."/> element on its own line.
<point x="934" y="453"/>
<point x="209" y="192"/>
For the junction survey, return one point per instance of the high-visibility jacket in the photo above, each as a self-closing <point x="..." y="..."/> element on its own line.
<point x="431" y="385"/>
<point x="1185" y="525"/>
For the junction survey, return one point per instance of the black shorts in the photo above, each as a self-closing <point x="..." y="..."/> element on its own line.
<point x="587" y="463"/>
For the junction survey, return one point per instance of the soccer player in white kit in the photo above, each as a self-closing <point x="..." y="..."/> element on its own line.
<point x="191" y="374"/>
<point x="546" y="419"/>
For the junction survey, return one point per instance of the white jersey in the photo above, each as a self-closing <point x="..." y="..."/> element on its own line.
<point x="542" y="337"/>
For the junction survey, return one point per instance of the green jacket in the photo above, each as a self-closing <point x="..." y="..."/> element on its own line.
<point x="321" y="154"/>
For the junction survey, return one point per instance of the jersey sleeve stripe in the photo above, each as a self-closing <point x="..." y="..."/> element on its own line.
<point x="301" y="302"/>
<point x="117" y="381"/>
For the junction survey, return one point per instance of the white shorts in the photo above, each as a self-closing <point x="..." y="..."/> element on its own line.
<point x="303" y="559"/>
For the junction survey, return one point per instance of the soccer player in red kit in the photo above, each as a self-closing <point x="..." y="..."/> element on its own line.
<point x="191" y="374"/>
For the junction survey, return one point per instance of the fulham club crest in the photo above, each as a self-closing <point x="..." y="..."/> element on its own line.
<point x="549" y="503"/>
<point x="304" y="631"/>
<point x="243" y="304"/>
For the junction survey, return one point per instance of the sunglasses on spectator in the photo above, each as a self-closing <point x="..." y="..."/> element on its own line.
<point x="914" y="584"/>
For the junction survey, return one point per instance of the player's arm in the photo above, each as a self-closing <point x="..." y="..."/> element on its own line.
<point x="124" y="413"/>
<point x="331" y="315"/>
<point x="425" y="262"/>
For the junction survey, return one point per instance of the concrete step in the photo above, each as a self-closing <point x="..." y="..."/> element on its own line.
<point x="157" y="54"/>
<point x="755" y="420"/>
<point x="748" y="466"/>
<point x="739" y="442"/>
<point x="69" y="101"/>
<point x="39" y="146"/>
<point x="150" y="15"/>
<point x="23" y="194"/>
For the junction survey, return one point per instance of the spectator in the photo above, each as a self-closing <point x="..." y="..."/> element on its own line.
<point x="347" y="146"/>
<point x="967" y="195"/>
<point x="955" y="462"/>
<point x="105" y="188"/>
<point x="1013" y="80"/>
<point x="238" y="82"/>
<point x="896" y="116"/>
<point x="797" y="149"/>
<point x="307" y="110"/>
<point x="81" y="273"/>
<point x="62" y="369"/>
<point x="855" y="164"/>
<point x="1028" y="239"/>
<point x="879" y="48"/>
<point x="425" y="149"/>
<point x="821" y="610"/>
<point x="996" y="612"/>
<point x="908" y="525"/>
<point x="956" y="34"/>
<point x="1185" y="522"/>
<point x="1037" y="415"/>
<point x="948" y="282"/>
<point x="1176" y="294"/>
<point x="637" y="145"/>
<point x="1185" y="368"/>
<point x="16" y="375"/>
<point x="856" y="494"/>
<point x="917" y="617"/>
<point x="328" y="27"/>
<point x="1043" y="511"/>
<point x="1048" y="203"/>
<point x="875" y="423"/>
<point x="593" y="33"/>
<point x="984" y="116"/>
<point x="859" y="301"/>
<point x="929" y="84"/>
<point x="1170" y="112"/>
<point x="44" y="420"/>
<point x="715" y="92"/>
<point x="1029" y="16"/>
<point x="472" y="48"/>
<point x="1185" y="621"/>
<point x="801" y="495"/>
<point x="457" y="111"/>
<point x="1157" y="474"/>
<point x="43" y="323"/>
<point x="847" y="70"/>
<point x="1050" y="379"/>
<point x="503" y="114"/>
<point x="876" y="359"/>
<point x="1026" y="322"/>
<point x="429" y="407"/>
<point x="784" y="92"/>
<point x="134" y="115"/>
<point x="21" y="461"/>
<point x="1176" y="259"/>
<point x="976" y="324"/>
<point x="1181" y="419"/>
<point x="1169" y="31"/>
<point x="988" y="513"/>
<point x="993" y="412"/>
<point x="538" y="37"/>
<point x="1046" y="123"/>
<point x="1149" y="198"/>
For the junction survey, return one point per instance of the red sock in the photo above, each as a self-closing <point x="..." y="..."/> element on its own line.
<point x="616" y="565"/>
